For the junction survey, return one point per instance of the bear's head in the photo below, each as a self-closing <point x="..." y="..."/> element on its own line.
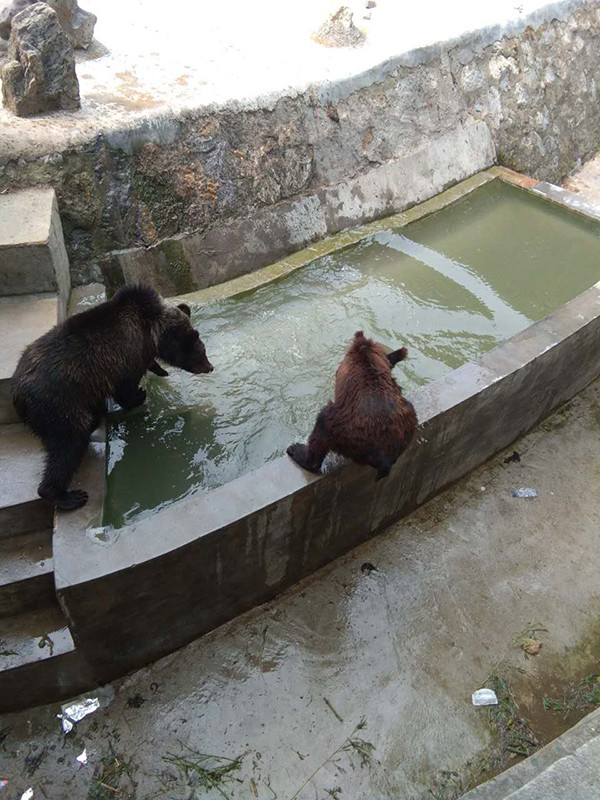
<point x="179" y="344"/>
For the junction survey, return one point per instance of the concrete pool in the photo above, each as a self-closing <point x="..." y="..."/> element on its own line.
<point x="450" y="285"/>
<point x="132" y="594"/>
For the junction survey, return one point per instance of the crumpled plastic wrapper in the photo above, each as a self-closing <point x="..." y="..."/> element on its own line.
<point x="75" y="710"/>
<point x="82" y="757"/>
<point x="524" y="492"/>
<point x="27" y="795"/>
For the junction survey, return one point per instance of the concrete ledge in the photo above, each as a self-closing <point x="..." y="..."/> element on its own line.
<point x="136" y="594"/>
<point x="33" y="258"/>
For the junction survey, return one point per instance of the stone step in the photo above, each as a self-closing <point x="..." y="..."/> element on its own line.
<point x="22" y="320"/>
<point x="33" y="257"/>
<point x="21" y="462"/>
<point x="38" y="660"/>
<point x="26" y="573"/>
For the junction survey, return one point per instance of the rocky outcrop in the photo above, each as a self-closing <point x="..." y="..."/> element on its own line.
<point x="77" y="23"/>
<point x="40" y="73"/>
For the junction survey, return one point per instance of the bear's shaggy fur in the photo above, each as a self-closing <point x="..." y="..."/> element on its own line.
<point x="369" y="420"/>
<point x="63" y="379"/>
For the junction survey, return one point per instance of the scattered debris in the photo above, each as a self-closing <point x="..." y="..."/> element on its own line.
<point x="32" y="762"/>
<point x="525" y="492"/>
<point x="40" y="72"/>
<point x="352" y="743"/>
<point x="206" y="771"/>
<point x="332" y="709"/>
<point x="27" y="795"/>
<point x="3" y="783"/>
<point x="82" y="757"/>
<point x="527" y="640"/>
<point x="484" y="697"/>
<point x="370" y="4"/>
<point x="46" y="641"/>
<point x="368" y="568"/>
<point x="580" y="697"/>
<point x="137" y="701"/>
<point x="514" y="458"/>
<point x="531" y="646"/>
<point x="516" y="737"/>
<point x="75" y="710"/>
<point x="108" y="774"/>
<point x="339" y="30"/>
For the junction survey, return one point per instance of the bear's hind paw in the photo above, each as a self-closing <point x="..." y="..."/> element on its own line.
<point x="72" y="500"/>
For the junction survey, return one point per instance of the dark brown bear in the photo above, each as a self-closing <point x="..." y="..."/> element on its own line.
<point x="369" y="420"/>
<point x="63" y="379"/>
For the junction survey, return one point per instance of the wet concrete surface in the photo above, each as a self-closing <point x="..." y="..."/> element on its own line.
<point x="399" y="633"/>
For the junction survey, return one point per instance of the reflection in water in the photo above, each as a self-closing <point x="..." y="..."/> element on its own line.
<point x="449" y="287"/>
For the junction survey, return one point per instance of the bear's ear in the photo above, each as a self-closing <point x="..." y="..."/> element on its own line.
<point x="186" y="309"/>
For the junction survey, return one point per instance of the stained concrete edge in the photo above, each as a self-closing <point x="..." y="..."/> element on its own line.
<point x="244" y="245"/>
<point x="333" y="243"/>
<point x="515" y="778"/>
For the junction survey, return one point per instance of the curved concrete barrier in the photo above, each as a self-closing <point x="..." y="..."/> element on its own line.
<point x="136" y="594"/>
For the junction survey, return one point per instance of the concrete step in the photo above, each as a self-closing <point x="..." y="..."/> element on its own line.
<point x="22" y="320"/>
<point x="33" y="257"/>
<point x="21" y="463"/>
<point x="26" y="573"/>
<point x="38" y="660"/>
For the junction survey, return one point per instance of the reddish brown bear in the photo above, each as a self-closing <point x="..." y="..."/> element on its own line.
<point x="369" y="420"/>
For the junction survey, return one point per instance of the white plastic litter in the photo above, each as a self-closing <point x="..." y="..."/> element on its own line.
<point x="82" y="758"/>
<point x="74" y="712"/>
<point x="485" y="697"/>
<point x="525" y="492"/>
<point x="27" y="795"/>
<point x="3" y="784"/>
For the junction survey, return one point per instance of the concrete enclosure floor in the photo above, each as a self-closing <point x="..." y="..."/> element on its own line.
<point x="148" y="61"/>
<point x="399" y="634"/>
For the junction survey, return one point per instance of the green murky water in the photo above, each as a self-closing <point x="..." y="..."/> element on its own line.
<point x="449" y="286"/>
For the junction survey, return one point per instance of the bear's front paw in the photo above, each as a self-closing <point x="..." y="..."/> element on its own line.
<point x="132" y="400"/>
<point x="138" y="397"/>
<point x="299" y="453"/>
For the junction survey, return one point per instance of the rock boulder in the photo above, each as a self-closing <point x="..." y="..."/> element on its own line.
<point x="40" y="73"/>
<point x="339" y="30"/>
<point x="77" y="23"/>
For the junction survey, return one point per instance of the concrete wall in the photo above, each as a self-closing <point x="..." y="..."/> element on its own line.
<point x="134" y="595"/>
<point x="263" y="182"/>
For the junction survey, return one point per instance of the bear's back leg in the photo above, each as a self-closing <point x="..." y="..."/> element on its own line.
<point x="65" y="448"/>
<point x="311" y="456"/>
